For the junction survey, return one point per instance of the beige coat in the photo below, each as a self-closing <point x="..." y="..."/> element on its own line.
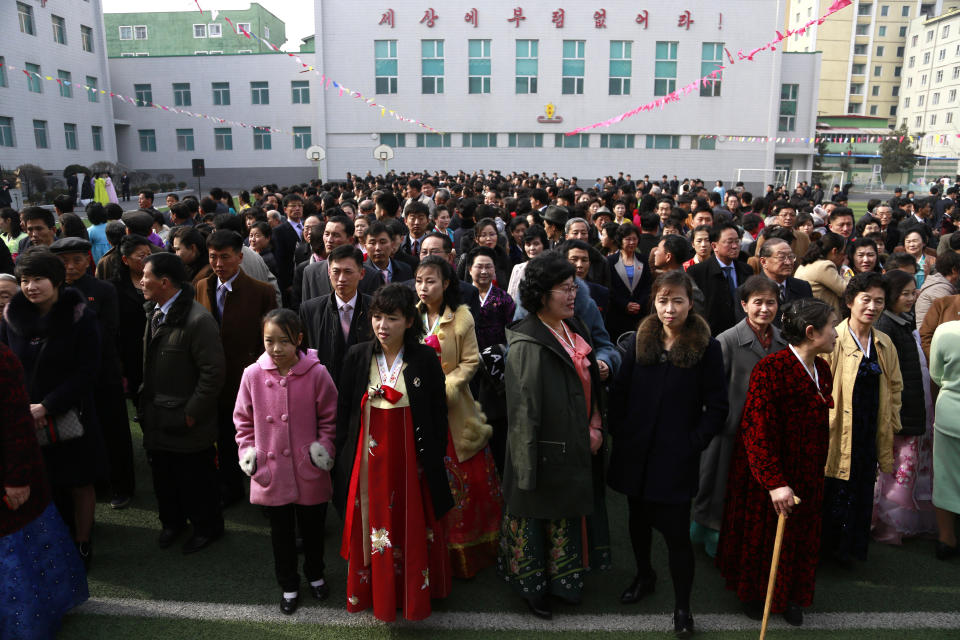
<point x="844" y="363"/>
<point x="825" y="280"/>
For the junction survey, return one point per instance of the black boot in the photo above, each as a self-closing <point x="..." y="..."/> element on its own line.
<point x="793" y="614"/>
<point x="640" y="587"/>
<point x="540" y="606"/>
<point x="682" y="623"/>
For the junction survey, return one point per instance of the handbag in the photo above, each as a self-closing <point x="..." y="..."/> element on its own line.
<point x="60" y="428"/>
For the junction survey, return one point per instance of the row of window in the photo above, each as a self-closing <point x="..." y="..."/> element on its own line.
<point x="64" y="81"/>
<point x="223" y="139"/>
<point x="560" y="140"/>
<point x="259" y="93"/>
<point x="860" y="69"/>
<point x="526" y="76"/>
<point x="863" y="29"/>
<point x="855" y="108"/>
<point x="934" y="99"/>
<point x="28" y="26"/>
<point x="927" y="55"/>
<point x="861" y="50"/>
<point x="945" y="33"/>
<point x="937" y="77"/>
<point x="918" y="120"/>
<point x="41" y="137"/>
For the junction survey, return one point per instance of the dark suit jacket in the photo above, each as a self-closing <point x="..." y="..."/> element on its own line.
<point x="796" y="289"/>
<point x="600" y="295"/>
<point x="243" y="310"/>
<point x="721" y="311"/>
<point x="299" y="293"/>
<point x="619" y="321"/>
<point x="284" y="240"/>
<point x="322" y="331"/>
<point x="101" y="297"/>
<point x="373" y="279"/>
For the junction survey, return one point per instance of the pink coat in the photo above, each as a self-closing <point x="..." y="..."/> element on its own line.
<point x="282" y="417"/>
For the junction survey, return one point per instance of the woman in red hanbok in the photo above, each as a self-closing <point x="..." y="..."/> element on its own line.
<point x="391" y="482"/>
<point x="780" y="453"/>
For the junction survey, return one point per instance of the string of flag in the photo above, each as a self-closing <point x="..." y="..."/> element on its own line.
<point x="711" y="77"/>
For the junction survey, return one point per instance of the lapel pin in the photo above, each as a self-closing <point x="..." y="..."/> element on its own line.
<point x="416" y="382"/>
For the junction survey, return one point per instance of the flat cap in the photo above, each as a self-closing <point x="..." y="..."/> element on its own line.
<point x="70" y="245"/>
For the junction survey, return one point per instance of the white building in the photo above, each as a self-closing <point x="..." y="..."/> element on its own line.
<point x="56" y="122"/>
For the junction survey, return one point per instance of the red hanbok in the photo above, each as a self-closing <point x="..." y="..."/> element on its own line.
<point x="782" y="442"/>
<point x="395" y="547"/>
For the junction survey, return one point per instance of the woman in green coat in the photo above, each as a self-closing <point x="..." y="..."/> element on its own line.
<point x="553" y="476"/>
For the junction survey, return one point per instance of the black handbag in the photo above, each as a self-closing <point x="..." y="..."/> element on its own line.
<point x="59" y="428"/>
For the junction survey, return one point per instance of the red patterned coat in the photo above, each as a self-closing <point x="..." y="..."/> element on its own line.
<point x="783" y="442"/>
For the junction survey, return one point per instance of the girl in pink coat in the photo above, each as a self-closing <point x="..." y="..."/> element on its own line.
<point x="286" y="417"/>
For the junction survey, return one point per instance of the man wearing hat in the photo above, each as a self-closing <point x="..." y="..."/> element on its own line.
<point x="109" y="398"/>
<point x="554" y="222"/>
<point x="139" y="223"/>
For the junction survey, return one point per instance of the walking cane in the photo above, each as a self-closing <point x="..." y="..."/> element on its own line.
<point x="777" y="543"/>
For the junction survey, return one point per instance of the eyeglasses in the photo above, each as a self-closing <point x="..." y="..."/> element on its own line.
<point x="785" y="258"/>
<point x="570" y="290"/>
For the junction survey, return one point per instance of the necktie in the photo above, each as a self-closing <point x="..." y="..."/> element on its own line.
<point x="221" y="299"/>
<point x="345" y="320"/>
<point x="783" y="292"/>
<point x="386" y="275"/>
<point x="728" y="274"/>
<point x="156" y="321"/>
<point x="416" y="247"/>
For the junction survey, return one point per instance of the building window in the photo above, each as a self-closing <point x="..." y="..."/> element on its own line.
<point x="385" y="65"/>
<point x="199" y="53"/>
<point x="897" y="71"/>
<point x="858" y="69"/>
<point x="893" y="111"/>
<point x="261" y="139"/>
<point x="525" y="140"/>
<point x="952" y="95"/>
<point x="856" y="89"/>
<point x="40" y="134"/>
<point x="148" y="140"/>
<point x="930" y="35"/>
<point x="949" y="117"/>
<point x="909" y="82"/>
<point x="706" y="143"/>
<point x="882" y="32"/>
<point x="431" y="66"/>
<point x="6" y="132"/>
<point x="199" y="31"/>
<point x="788" y="107"/>
<point x="921" y="99"/>
<point x="923" y="80"/>
<point x="905" y="11"/>
<point x="879" y="51"/>
<point x="665" y="69"/>
<point x="144" y="94"/>
<point x="70" y="135"/>
<point x="140" y="54"/>
<point x="906" y="102"/>
<point x="301" y="91"/>
<point x="935" y="99"/>
<point x="527" y="65"/>
<point x="96" y="133"/>
<point x="616" y="140"/>
<point x="942" y="55"/>
<point x="213" y="31"/>
<point x="873" y="109"/>
<point x="913" y="41"/>
<point x="899" y="52"/>
<point x="895" y="91"/>
<point x="3" y="71"/>
<point x="33" y="78"/>
<point x="875" y="90"/>
<point x="181" y="94"/>
<point x="86" y="38"/>
<point x="911" y="61"/>
<point x="478" y="66"/>
<point x="302" y="138"/>
<point x="939" y="77"/>
<point x="393" y="139"/>
<point x="621" y="67"/>
<point x="66" y="86"/>
<point x="266" y="32"/>
<point x="926" y="58"/>
<point x="243" y="26"/>
<point x="433" y="140"/>
<point x="918" y="121"/>
<point x="576" y="141"/>
<point x="126" y="33"/>
<point x="184" y="139"/>
<point x="853" y="108"/>
<point x="59" y="29"/>
<point x="223" y="139"/>
<point x="859" y="49"/>
<point x="865" y="9"/>
<point x="221" y="93"/>
<point x="877" y="70"/>
<point x="863" y="29"/>
<point x="479" y="139"/>
<point x="903" y="32"/>
<point x="140" y="32"/>
<point x="885" y="10"/>
<point x="933" y="119"/>
<point x="572" y="68"/>
<point x="663" y="142"/>
<point x="956" y="73"/>
<point x="259" y="93"/>
<point x="25" y="13"/>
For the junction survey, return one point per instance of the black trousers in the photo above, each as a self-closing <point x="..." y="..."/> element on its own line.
<point x="673" y="521"/>
<point x="231" y="477"/>
<point x="283" y="537"/>
<point x="115" y="425"/>
<point x="186" y="488"/>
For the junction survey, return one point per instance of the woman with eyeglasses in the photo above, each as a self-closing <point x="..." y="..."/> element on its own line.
<point x="554" y="469"/>
<point x="629" y="283"/>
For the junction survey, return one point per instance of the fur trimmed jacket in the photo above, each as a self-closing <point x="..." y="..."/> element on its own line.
<point x="665" y="407"/>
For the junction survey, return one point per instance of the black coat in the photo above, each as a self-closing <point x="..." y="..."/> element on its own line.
<point x="102" y="300"/>
<point x="428" y="405"/>
<point x="913" y="411"/>
<point x="130" y="336"/>
<point x="284" y="240"/>
<point x="373" y="278"/>
<point x="664" y="410"/>
<point x="621" y="294"/>
<point x="720" y="310"/>
<point x="322" y="331"/>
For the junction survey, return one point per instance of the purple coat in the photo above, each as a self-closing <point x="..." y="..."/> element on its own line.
<point x="282" y="417"/>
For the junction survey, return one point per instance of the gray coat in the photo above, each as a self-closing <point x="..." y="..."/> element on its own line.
<point x="741" y="352"/>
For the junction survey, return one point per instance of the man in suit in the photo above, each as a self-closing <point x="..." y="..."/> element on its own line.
<point x="125" y="186"/>
<point x="776" y="262"/>
<point x="313" y="276"/>
<point x="238" y="302"/>
<point x="285" y="239"/>
<point x="577" y="252"/>
<point x="380" y="267"/>
<point x="669" y="255"/>
<point x="719" y="276"/>
<point x="417" y="217"/>
<point x="333" y="323"/>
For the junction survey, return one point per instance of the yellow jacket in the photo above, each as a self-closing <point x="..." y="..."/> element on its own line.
<point x="844" y="363"/>
<point x="460" y="360"/>
<point x="825" y="281"/>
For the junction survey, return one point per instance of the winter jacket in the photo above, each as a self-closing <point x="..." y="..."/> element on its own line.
<point x="935" y="286"/>
<point x="913" y="410"/>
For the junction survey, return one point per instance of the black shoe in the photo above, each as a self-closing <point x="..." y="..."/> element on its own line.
<point x="196" y="543"/>
<point x="289" y="605"/>
<point x="794" y="614"/>
<point x="640" y="587"/>
<point x="682" y="623"/>
<point x="86" y="554"/>
<point x="167" y="536"/>
<point x="540" y="607"/>
<point x="119" y="502"/>
<point x="945" y="551"/>
<point x="753" y="610"/>
<point x="321" y="592"/>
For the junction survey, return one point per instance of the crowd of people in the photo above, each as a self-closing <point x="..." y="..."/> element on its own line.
<point x="466" y="364"/>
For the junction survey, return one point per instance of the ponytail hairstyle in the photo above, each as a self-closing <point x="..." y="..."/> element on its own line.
<point x="820" y="249"/>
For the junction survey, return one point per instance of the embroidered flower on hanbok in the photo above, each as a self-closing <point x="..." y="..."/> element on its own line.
<point x="364" y="575"/>
<point x="380" y="540"/>
<point x="371" y="446"/>
<point x="354" y="600"/>
<point x="426" y="579"/>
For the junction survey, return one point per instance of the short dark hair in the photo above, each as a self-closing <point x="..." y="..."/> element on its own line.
<point x="803" y="313"/>
<point x="146" y="193"/>
<point x="375" y="229"/>
<point x="899" y="260"/>
<point x="348" y="227"/>
<point x="191" y="237"/>
<point x="863" y="282"/>
<point x="447" y="242"/>
<point x="388" y="202"/>
<point x="39" y="213"/>
<point x="228" y="222"/>
<point x="40" y="262"/>
<point x="536" y="232"/>
<point x="541" y="275"/>
<point x="264" y="228"/>
<point x="169" y="266"/>
<point x="180" y="211"/>
<point x="63" y="203"/>
<point x="225" y="239"/>
<point x="208" y="205"/>
<point x="395" y="228"/>
<point x="896" y="281"/>
<point x="948" y="262"/>
<point x="672" y="278"/>
<point x="677" y="246"/>
<point x="451" y="293"/>
<point x="115" y="231"/>
<point x="540" y="195"/>
<point x="130" y="243"/>
<point x="649" y="221"/>
<point x="291" y="197"/>
<point x="755" y="285"/>
<point x="396" y="297"/>
<point x="346" y="252"/>
<point x="567" y="245"/>
<point x="113" y="210"/>
<point x="478" y="251"/>
<point x="417" y="208"/>
<point x="840" y="212"/>
<point x="96" y="214"/>
<point x="717" y="230"/>
<point x="626" y="229"/>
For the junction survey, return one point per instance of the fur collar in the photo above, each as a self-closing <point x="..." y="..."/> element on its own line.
<point x="22" y="316"/>
<point x="687" y="349"/>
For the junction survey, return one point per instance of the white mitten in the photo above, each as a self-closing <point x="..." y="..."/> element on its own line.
<point x="319" y="457"/>
<point x="248" y="461"/>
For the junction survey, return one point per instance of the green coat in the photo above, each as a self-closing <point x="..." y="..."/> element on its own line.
<point x="549" y="471"/>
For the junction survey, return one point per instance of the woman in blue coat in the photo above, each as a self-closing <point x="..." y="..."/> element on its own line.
<point x="666" y="403"/>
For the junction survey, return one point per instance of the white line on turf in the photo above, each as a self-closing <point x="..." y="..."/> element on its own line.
<point x="443" y="620"/>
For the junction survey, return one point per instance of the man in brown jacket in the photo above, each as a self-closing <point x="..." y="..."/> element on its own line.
<point x="941" y="310"/>
<point x="238" y="302"/>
